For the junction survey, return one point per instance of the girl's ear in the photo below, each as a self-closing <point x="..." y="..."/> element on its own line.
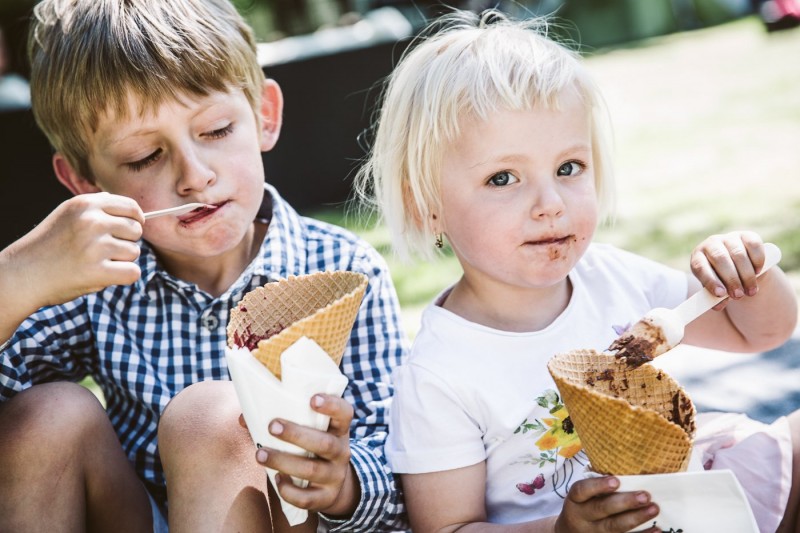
<point x="271" y="114"/>
<point x="70" y="178"/>
<point x="436" y="224"/>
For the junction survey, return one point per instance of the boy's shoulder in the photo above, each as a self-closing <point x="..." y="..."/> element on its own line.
<point x="336" y="244"/>
<point x="324" y="245"/>
<point x="317" y="229"/>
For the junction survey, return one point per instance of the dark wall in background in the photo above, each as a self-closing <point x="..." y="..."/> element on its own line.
<point x="329" y="102"/>
<point x="29" y="189"/>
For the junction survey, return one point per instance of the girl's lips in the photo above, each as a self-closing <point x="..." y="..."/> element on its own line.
<point x="200" y="213"/>
<point x="552" y="240"/>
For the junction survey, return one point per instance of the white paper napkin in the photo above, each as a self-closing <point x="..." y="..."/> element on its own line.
<point x="306" y="370"/>
<point x="692" y="502"/>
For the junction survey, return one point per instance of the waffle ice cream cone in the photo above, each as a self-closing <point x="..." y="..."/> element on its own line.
<point x="630" y="421"/>
<point x="321" y="306"/>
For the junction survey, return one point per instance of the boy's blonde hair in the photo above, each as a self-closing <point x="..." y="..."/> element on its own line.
<point x="471" y="67"/>
<point x="87" y="56"/>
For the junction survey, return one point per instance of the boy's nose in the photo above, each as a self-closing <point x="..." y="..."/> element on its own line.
<point x="194" y="174"/>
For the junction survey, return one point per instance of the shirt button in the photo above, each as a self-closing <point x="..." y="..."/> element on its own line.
<point x="210" y="322"/>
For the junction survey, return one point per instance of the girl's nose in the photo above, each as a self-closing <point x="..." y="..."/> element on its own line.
<point x="194" y="174"/>
<point x="548" y="202"/>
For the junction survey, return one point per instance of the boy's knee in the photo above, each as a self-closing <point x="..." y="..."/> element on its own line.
<point x="204" y="414"/>
<point x="50" y="414"/>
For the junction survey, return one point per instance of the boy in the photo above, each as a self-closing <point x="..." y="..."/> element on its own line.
<point x="152" y="105"/>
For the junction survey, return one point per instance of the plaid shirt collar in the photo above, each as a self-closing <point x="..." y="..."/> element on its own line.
<point x="282" y="253"/>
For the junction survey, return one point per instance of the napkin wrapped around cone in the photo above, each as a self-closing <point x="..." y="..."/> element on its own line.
<point x="630" y="421"/>
<point x="285" y="343"/>
<point x="321" y="306"/>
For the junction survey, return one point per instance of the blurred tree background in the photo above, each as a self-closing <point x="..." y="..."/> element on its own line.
<point x="596" y="22"/>
<point x="593" y="22"/>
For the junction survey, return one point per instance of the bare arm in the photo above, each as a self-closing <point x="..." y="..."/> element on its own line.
<point x="760" y="313"/>
<point x="87" y="243"/>
<point x="454" y="500"/>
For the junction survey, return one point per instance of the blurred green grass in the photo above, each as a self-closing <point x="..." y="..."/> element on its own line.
<point x="707" y="135"/>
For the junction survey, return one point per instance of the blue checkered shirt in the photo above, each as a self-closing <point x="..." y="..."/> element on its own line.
<point x="143" y="343"/>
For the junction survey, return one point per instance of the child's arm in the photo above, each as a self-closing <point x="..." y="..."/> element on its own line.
<point x="453" y="500"/>
<point x="760" y="314"/>
<point x="353" y="486"/>
<point x="86" y="243"/>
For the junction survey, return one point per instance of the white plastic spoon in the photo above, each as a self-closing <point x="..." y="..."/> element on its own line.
<point x="662" y="329"/>
<point x="181" y="209"/>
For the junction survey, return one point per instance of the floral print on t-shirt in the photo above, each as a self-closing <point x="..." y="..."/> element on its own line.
<point x="558" y="448"/>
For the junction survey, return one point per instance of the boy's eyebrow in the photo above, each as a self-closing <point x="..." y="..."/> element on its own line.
<point x="144" y="130"/>
<point x="137" y="133"/>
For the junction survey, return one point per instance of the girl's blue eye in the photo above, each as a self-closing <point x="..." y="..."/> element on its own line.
<point x="570" y="168"/>
<point x="502" y="179"/>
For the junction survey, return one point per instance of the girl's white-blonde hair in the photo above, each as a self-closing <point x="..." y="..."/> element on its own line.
<point x="470" y="67"/>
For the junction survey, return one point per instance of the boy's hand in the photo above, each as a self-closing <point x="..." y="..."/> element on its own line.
<point x="87" y="243"/>
<point x="333" y="486"/>
<point x="728" y="264"/>
<point x="594" y="505"/>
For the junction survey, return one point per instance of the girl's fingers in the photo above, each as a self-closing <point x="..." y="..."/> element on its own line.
<point x="705" y="272"/>
<point x="732" y="265"/>
<point x="586" y="489"/>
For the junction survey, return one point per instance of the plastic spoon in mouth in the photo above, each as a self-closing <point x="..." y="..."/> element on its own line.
<point x="661" y="329"/>
<point x="181" y="209"/>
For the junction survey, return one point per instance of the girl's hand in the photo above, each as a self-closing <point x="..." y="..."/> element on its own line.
<point x="728" y="264"/>
<point x="333" y="487"/>
<point x="594" y="505"/>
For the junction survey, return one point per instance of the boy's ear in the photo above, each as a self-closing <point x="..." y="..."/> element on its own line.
<point x="70" y="178"/>
<point x="271" y="114"/>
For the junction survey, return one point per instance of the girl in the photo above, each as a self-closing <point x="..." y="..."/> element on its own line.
<point x="492" y="136"/>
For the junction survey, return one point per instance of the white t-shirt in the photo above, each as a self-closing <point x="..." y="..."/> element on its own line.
<point x="469" y="393"/>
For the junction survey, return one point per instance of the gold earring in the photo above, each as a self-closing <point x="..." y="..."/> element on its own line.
<point x="438" y="242"/>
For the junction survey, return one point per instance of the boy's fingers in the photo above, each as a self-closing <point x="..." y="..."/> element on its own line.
<point x="127" y="229"/>
<point x="120" y="206"/>
<point x="121" y="250"/>
<point x="317" y="471"/>
<point x="320" y="443"/>
<point x="311" y="497"/>
<point x="336" y="407"/>
<point x="119" y="273"/>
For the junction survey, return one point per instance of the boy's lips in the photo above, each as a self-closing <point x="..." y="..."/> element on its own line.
<point x="200" y="213"/>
